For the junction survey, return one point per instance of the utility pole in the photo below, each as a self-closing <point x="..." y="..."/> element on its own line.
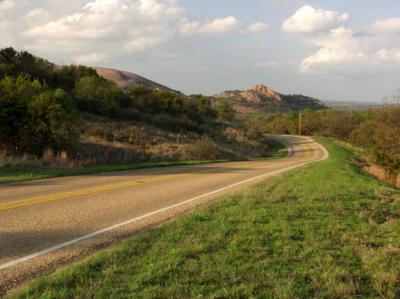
<point x="300" y="123"/>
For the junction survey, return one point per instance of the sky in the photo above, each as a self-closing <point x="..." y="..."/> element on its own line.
<point x="341" y="50"/>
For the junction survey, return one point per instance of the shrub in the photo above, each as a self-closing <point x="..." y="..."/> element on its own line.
<point x="97" y="95"/>
<point x="32" y="117"/>
<point x="225" y="110"/>
<point x="203" y="149"/>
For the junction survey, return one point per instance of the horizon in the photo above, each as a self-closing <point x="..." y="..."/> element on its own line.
<point x="343" y="52"/>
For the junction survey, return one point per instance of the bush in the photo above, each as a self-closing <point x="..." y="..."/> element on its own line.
<point x="225" y="110"/>
<point x="32" y="117"/>
<point x="97" y="95"/>
<point x="51" y="124"/>
<point x="203" y="149"/>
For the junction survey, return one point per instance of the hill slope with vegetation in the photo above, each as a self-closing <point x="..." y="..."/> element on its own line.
<point x="72" y="116"/>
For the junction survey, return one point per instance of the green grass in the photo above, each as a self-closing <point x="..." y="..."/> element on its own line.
<point x="322" y="231"/>
<point x="13" y="174"/>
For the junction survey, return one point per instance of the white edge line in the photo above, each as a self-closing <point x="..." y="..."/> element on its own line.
<point x="115" y="226"/>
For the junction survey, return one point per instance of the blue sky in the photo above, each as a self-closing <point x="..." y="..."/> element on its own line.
<point x="335" y="50"/>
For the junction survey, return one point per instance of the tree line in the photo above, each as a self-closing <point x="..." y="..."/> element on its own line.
<point x="376" y="130"/>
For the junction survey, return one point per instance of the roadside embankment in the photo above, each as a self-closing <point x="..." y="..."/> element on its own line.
<point x="381" y="174"/>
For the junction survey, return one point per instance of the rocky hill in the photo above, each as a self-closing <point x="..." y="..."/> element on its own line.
<point x="127" y="80"/>
<point x="263" y="99"/>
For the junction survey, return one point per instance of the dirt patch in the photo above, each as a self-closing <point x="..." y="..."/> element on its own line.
<point x="380" y="173"/>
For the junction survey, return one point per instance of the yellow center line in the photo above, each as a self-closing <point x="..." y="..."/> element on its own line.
<point x="72" y="194"/>
<point x="78" y="193"/>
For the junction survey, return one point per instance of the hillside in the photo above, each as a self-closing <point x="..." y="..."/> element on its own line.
<point x="127" y="80"/>
<point x="263" y="99"/>
<point x="73" y="116"/>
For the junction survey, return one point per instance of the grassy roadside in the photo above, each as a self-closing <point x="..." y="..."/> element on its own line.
<point x="325" y="230"/>
<point x="19" y="173"/>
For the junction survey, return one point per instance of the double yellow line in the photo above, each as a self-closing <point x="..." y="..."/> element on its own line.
<point x="73" y="194"/>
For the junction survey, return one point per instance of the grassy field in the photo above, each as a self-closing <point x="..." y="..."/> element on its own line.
<point x="12" y="174"/>
<point x="322" y="231"/>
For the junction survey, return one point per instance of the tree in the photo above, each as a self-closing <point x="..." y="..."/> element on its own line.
<point x="15" y="94"/>
<point x="33" y="117"/>
<point x="50" y="123"/>
<point x="7" y="61"/>
<point x="225" y="110"/>
<point x="97" y="95"/>
<point x="203" y="108"/>
<point x="386" y="150"/>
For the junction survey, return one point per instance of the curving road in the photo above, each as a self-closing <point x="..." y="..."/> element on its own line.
<point x="48" y="223"/>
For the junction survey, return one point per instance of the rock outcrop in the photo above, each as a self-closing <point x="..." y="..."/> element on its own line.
<point x="261" y="98"/>
<point x="267" y="93"/>
<point x="127" y="80"/>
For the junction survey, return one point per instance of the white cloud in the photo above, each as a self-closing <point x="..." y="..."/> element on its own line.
<point x="386" y="26"/>
<point x="258" y="27"/>
<point x="69" y="27"/>
<point x="222" y="25"/>
<point x="37" y="15"/>
<point x="6" y="5"/>
<point x="6" y="37"/>
<point x="217" y="26"/>
<point x="389" y="55"/>
<point x="127" y="25"/>
<point x="142" y="43"/>
<point x="266" y="64"/>
<point x="339" y="46"/>
<point x="109" y="19"/>
<point x="89" y="59"/>
<point x="344" y="51"/>
<point x="309" y="19"/>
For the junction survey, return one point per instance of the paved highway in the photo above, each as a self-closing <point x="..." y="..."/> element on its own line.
<point x="48" y="223"/>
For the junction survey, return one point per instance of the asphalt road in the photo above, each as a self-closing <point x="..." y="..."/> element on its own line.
<point x="48" y="223"/>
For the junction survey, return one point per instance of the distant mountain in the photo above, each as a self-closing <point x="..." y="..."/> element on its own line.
<point x="127" y="80"/>
<point x="342" y="105"/>
<point x="263" y="99"/>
